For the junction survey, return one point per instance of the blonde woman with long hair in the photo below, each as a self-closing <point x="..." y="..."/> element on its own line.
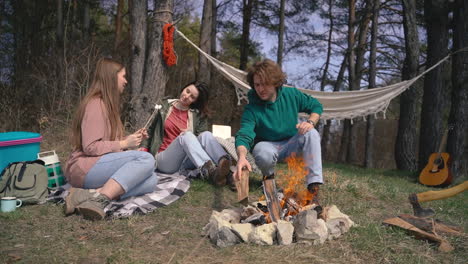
<point x="102" y="168"/>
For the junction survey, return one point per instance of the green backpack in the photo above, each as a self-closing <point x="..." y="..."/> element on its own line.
<point x="26" y="181"/>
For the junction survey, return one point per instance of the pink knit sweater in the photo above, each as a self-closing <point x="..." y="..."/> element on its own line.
<point x="95" y="137"/>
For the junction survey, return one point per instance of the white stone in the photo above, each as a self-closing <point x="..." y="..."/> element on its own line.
<point x="248" y="211"/>
<point x="307" y="226"/>
<point x="333" y="212"/>
<point x="243" y="230"/>
<point x="263" y="234"/>
<point x="233" y="216"/>
<point x="226" y="237"/>
<point x="337" y="227"/>
<point x="285" y="232"/>
<point x="215" y="224"/>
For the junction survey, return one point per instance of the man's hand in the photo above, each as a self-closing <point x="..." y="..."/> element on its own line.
<point x="241" y="163"/>
<point x="304" y="127"/>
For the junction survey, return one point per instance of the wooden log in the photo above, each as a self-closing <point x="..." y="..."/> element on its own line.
<point x="242" y="186"/>
<point x="430" y="225"/>
<point x="444" y="246"/>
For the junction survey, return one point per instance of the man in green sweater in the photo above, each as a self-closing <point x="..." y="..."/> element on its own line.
<point x="270" y="128"/>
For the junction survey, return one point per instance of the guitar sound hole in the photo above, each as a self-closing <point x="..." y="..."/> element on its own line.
<point x="438" y="165"/>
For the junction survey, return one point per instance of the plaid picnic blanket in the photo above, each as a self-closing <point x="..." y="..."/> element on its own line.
<point x="169" y="189"/>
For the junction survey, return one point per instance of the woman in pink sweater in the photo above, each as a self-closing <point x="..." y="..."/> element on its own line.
<point x="102" y="168"/>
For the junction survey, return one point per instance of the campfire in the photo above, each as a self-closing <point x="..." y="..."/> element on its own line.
<point x="301" y="220"/>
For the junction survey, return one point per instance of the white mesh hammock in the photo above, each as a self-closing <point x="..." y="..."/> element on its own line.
<point x="336" y="105"/>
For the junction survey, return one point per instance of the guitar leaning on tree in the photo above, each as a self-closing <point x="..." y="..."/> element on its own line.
<point x="437" y="171"/>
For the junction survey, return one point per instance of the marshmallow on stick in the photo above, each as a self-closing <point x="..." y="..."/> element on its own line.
<point x="156" y="109"/>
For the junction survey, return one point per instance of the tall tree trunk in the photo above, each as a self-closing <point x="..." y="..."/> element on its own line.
<point x="326" y="129"/>
<point x="324" y="80"/>
<point x="457" y="140"/>
<point x="247" y="6"/>
<point x="345" y="138"/>
<point x="59" y="30"/>
<point x="435" y="97"/>
<point x="138" y="18"/>
<point x="358" y="68"/>
<point x="118" y="24"/>
<point x="369" y="160"/>
<point x="205" y="41"/>
<point x="86" y="20"/>
<point x="406" y="142"/>
<point x="214" y="21"/>
<point x="156" y="71"/>
<point x="279" y="57"/>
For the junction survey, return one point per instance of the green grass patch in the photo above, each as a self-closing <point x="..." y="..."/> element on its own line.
<point x="41" y="234"/>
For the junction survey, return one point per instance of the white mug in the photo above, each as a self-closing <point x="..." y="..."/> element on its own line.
<point x="9" y="204"/>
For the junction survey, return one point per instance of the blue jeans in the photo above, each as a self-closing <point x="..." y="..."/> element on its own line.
<point x="268" y="153"/>
<point x="133" y="170"/>
<point x="189" y="152"/>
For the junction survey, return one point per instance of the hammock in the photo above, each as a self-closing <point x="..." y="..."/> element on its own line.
<point x="336" y="105"/>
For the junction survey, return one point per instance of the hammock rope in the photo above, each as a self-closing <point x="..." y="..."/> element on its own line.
<point x="336" y="105"/>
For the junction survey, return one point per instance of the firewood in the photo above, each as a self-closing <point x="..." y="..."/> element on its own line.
<point x="444" y="246"/>
<point x="430" y="225"/>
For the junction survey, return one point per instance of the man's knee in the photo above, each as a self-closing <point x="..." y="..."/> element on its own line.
<point x="312" y="135"/>
<point x="264" y="155"/>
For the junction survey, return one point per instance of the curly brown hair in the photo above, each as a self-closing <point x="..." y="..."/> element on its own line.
<point x="268" y="71"/>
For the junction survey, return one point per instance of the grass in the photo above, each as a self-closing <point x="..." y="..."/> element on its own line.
<point x="40" y="233"/>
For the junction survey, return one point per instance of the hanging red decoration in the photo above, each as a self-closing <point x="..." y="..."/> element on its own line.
<point x="169" y="55"/>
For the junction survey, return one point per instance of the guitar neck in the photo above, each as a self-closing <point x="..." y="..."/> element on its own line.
<point x="443" y="143"/>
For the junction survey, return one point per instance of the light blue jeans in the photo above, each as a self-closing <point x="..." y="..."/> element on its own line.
<point x="268" y="153"/>
<point x="133" y="170"/>
<point x="189" y="152"/>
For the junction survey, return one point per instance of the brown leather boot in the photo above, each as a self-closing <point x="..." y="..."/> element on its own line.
<point x="314" y="190"/>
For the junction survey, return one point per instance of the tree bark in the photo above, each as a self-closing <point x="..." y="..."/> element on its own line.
<point x="139" y="97"/>
<point x="326" y="129"/>
<point x="358" y="68"/>
<point x="457" y="140"/>
<point x="156" y="70"/>
<point x="246" y="19"/>
<point x="138" y="17"/>
<point x="369" y="160"/>
<point x="345" y="138"/>
<point x="205" y="41"/>
<point x="86" y="21"/>
<point x="279" y="57"/>
<point x="406" y="142"/>
<point x="435" y="97"/>
<point x="118" y="24"/>
<point x="59" y="30"/>
<point x="214" y="21"/>
<point x="324" y="80"/>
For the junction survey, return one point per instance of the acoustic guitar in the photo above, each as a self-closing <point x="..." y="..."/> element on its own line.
<point x="437" y="171"/>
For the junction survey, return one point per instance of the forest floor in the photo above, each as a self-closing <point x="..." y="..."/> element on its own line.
<point x="42" y="234"/>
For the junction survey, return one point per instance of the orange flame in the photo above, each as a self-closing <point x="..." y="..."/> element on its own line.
<point x="296" y="195"/>
<point x="295" y="192"/>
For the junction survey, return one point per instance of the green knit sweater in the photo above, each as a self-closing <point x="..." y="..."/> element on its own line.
<point x="274" y="121"/>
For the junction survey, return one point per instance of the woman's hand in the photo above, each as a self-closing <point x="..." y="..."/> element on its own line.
<point x="132" y="141"/>
<point x="143" y="132"/>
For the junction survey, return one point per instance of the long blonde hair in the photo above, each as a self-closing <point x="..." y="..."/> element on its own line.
<point x="104" y="87"/>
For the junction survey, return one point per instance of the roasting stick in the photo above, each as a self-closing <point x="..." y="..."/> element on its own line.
<point x="156" y="109"/>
